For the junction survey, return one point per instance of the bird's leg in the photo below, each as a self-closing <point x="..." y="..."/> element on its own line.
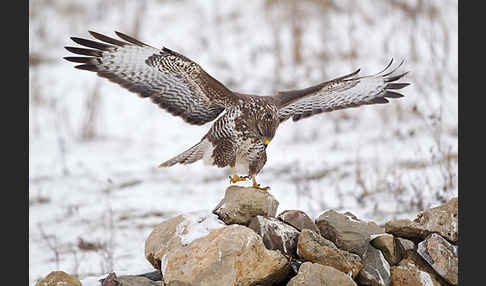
<point x="236" y="178"/>
<point x="257" y="186"/>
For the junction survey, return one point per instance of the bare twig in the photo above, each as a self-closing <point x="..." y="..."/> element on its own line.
<point x="52" y="244"/>
<point x="88" y="130"/>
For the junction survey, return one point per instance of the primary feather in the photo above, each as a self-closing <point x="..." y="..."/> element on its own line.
<point x="343" y="92"/>
<point x="169" y="79"/>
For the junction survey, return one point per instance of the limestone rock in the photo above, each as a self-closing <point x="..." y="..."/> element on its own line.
<point x="441" y="255"/>
<point x="276" y="234"/>
<point x="298" y="219"/>
<point x="240" y="204"/>
<point x="313" y="274"/>
<point x="386" y="244"/>
<point x="346" y="231"/>
<point x="56" y="278"/>
<point x="376" y="270"/>
<point x="442" y="220"/>
<point x="232" y="255"/>
<point x="413" y="270"/>
<point x="178" y="231"/>
<point x="315" y="248"/>
<point x="411" y="276"/>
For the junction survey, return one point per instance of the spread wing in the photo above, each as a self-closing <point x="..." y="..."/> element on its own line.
<point x="168" y="78"/>
<point x="343" y="92"/>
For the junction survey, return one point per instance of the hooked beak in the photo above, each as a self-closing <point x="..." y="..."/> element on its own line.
<point x="266" y="143"/>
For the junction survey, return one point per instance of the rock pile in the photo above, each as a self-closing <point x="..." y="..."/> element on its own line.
<point x="244" y="242"/>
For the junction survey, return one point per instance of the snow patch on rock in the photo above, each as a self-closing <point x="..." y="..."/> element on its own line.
<point x="93" y="280"/>
<point x="196" y="225"/>
<point x="373" y="236"/>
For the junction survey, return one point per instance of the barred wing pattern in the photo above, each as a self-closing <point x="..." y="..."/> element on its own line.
<point x="343" y="92"/>
<point x="168" y="78"/>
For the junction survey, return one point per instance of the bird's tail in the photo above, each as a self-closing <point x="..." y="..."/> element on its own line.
<point x="191" y="155"/>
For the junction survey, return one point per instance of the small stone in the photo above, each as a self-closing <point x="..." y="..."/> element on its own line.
<point x="134" y="280"/>
<point x="313" y="274"/>
<point x="232" y="255"/>
<point x="154" y="275"/>
<point x="347" y="231"/>
<point x="240" y="204"/>
<point x="376" y="270"/>
<point x="276" y="234"/>
<point x="441" y="255"/>
<point x="386" y="243"/>
<point x="403" y="245"/>
<point x="153" y="278"/>
<point x="442" y="220"/>
<point x="313" y="247"/>
<point x="298" y="219"/>
<point x="56" y="278"/>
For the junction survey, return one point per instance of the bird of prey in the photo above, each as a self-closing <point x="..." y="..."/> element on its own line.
<point x="244" y="124"/>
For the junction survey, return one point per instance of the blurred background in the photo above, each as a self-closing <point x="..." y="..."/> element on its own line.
<point x="95" y="191"/>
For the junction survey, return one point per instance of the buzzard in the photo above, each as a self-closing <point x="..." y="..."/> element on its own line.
<point x="245" y="124"/>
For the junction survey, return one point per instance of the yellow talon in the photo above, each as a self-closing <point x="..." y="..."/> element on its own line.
<point x="256" y="185"/>
<point x="261" y="188"/>
<point x="236" y="179"/>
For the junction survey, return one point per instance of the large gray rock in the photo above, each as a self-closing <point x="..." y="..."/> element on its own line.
<point x="376" y="270"/>
<point x="232" y="255"/>
<point x="347" y="231"/>
<point x="298" y="219"/>
<point x="441" y="255"/>
<point x="315" y="248"/>
<point x="442" y="220"/>
<point x="276" y="234"/>
<point x="177" y="232"/>
<point x="240" y="204"/>
<point x="313" y="274"/>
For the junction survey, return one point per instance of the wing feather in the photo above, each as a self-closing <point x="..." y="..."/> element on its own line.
<point x="343" y="92"/>
<point x="169" y="79"/>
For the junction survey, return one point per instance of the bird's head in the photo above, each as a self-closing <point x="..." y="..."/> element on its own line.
<point x="266" y="125"/>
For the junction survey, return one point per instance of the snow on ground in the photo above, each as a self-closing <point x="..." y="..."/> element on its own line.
<point x="378" y="162"/>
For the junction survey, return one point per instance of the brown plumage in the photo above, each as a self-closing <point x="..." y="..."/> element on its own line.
<point x="245" y="124"/>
